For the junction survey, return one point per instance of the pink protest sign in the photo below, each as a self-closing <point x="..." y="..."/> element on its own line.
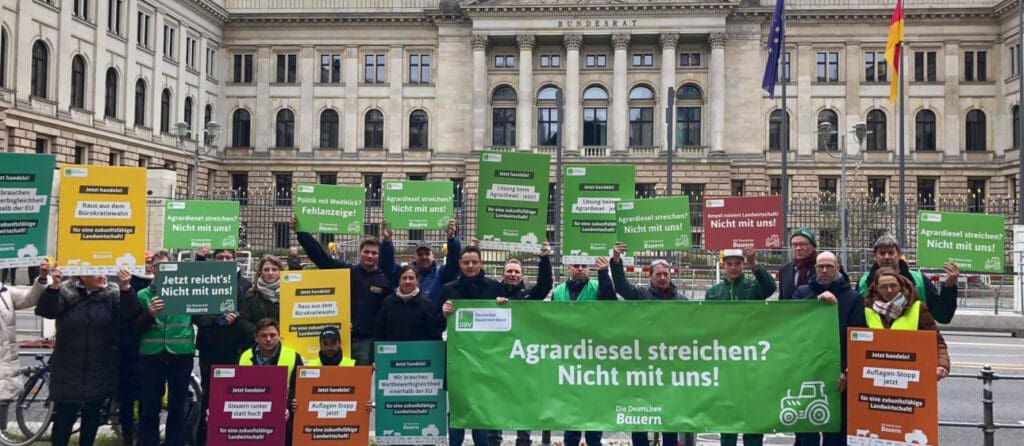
<point x="247" y="405"/>
<point x="743" y="222"/>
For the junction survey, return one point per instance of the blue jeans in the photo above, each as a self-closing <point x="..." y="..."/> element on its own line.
<point x="172" y="371"/>
<point x="667" y="439"/>
<point x="748" y="439"/>
<point x="572" y="438"/>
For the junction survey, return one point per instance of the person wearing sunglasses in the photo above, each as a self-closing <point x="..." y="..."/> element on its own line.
<point x="660" y="286"/>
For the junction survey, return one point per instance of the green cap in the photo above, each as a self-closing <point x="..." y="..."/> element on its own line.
<point x="806" y="233"/>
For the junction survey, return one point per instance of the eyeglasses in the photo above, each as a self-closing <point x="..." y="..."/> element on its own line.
<point x="825" y="267"/>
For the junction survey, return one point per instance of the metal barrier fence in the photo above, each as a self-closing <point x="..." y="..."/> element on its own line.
<point x="988" y="425"/>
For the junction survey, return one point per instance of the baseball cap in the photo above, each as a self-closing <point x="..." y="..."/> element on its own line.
<point x="732" y="253"/>
<point x="330" y="333"/>
<point x="422" y="246"/>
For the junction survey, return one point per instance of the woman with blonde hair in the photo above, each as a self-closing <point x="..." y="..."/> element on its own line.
<point x="892" y="303"/>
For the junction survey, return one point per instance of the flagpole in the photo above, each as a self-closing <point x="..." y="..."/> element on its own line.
<point x="784" y="139"/>
<point x="901" y="224"/>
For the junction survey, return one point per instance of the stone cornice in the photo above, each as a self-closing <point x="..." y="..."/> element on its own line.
<point x="597" y="10"/>
<point x="882" y="15"/>
<point x="264" y="19"/>
<point x="212" y="10"/>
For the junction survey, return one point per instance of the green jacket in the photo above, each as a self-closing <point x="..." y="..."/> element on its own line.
<point x="744" y="288"/>
<point x="173" y="334"/>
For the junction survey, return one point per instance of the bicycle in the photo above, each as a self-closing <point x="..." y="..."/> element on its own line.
<point x="28" y="392"/>
<point x="34" y="404"/>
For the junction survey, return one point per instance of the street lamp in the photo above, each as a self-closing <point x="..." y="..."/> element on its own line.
<point x="825" y="132"/>
<point x="183" y="131"/>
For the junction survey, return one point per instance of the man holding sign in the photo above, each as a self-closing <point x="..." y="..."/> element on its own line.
<point x="659" y="288"/>
<point x="888" y="255"/>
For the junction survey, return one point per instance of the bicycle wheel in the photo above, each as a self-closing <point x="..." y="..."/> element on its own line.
<point x="34" y="409"/>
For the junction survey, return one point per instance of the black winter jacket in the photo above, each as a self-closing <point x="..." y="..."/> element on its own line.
<point x="849" y="303"/>
<point x="416" y="319"/>
<point x="540" y="290"/>
<point x="477" y="287"/>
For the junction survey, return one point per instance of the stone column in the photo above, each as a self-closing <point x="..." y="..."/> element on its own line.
<point x="952" y="138"/>
<point x="396" y="123"/>
<point x="668" y="80"/>
<point x="524" y="110"/>
<point x="351" y="130"/>
<point x="479" y="43"/>
<point x="717" y="81"/>
<point x="619" y="106"/>
<point x="571" y="96"/>
<point x="309" y="72"/>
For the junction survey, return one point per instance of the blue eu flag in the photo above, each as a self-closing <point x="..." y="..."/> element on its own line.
<point x="775" y="38"/>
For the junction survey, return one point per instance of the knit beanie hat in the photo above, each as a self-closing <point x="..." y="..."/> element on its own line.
<point x="806" y="233"/>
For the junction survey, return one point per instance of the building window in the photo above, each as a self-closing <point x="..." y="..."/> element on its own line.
<point x="81" y="154"/>
<point x="696" y="194"/>
<point x="689" y="101"/>
<point x="643" y="190"/>
<point x="924" y="131"/>
<point x="643" y="60"/>
<point x="374" y="68"/>
<point x="286" y="64"/>
<point x="242" y="68"/>
<point x="165" y="111"/>
<point x="240" y="187"/>
<point x="187" y="118"/>
<point x="641" y="117"/>
<point x="1015" y="112"/>
<point x="874" y="66"/>
<point x="78" y="82"/>
<point x="876" y="138"/>
<point x="211" y="62"/>
<point x="784" y="68"/>
<point x="774" y="185"/>
<point x="828" y="66"/>
<point x="830" y="117"/>
<point x="689" y="60"/>
<point x="975" y="130"/>
<point x="373" y="137"/>
<point x="595" y="116"/>
<point x="330" y="68"/>
<point x="143" y="161"/>
<point x="80" y="9"/>
<point x="924" y="66"/>
<point x="328" y="178"/>
<point x="547" y="116"/>
<point x="926" y="193"/>
<point x="142" y="29"/>
<point x="504" y="61"/>
<point x="329" y="129"/>
<point x="419" y="69"/>
<point x="207" y="119"/>
<point x="190" y="52"/>
<point x="503" y="116"/>
<point x="372" y="186"/>
<point x="418" y="130"/>
<point x="114" y="158"/>
<point x="596" y="61"/>
<point x="140" y="102"/>
<point x="976" y="188"/>
<point x="1014" y="59"/>
<point x="458" y="199"/>
<point x="42" y="145"/>
<point x="827" y="188"/>
<point x="240" y="128"/>
<point x="737" y="187"/>
<point x="284" y="129"/>
<point x="3" y="57"/>
<point x="114" y="10"/>
<point x="877" y="188"/>
<point x="975" y="66"/>
<point x="41" y="69"/>
<point x="169" y="41"/>
<point x="110" y="100"/>
<point x="283" y="189"/>
<point x="550" y="61"/>
<point x="778" y="134"/>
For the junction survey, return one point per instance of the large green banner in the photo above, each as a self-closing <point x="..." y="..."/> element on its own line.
<point x="418" y="204"/>
<point x="409" y="393"/>
<point x="975" y="242"/>
<point x="25" y="185"/>
<point x="196" y="223"/>
<point x="591" y="191"/>
<point x="654" y="223"/>
<point x="512" y="201"/>
<point x="197" y="287"/>
<point x="329" y="209"/>
<point x="645" y="366"/>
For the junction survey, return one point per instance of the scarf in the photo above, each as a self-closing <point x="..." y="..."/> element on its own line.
<point x="269" y="291"/>
<point x="892" y="310"/>
<point x="575" y="287"/>
<point x="403" y="296"/>
<point x="804" y="269"/>
<point x="334" y="359"/>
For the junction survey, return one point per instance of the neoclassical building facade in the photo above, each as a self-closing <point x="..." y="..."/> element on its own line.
<point x="362" y="91"/>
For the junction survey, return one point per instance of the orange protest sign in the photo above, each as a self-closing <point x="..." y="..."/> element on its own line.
<point x="332" y="406"/>
<point x="893" y="389"/>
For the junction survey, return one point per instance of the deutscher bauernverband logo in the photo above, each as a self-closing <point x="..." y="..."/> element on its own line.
<point x="483" y="319"/>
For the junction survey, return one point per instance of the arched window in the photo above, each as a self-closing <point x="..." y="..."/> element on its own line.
<point x="188" y="115"/>
<point x="503" y="116"/>
<point x="595" y="116"/>
<point x="876" y="140"/>
<point x="832" y="118"/>
<point x="165" y="111"/>
<point x="77" y="82"/>
<point x="924" y="131"/>
<point x="975" y="131"/>
<point x="778" y="130"/>
<point x="1016" y="126"/>
<point x="40" y="69"/>
<point x="373" y="137"/>
<point x="110" y="100"/>
<point x="284" y="132"/>
<point x="641" y="116"/>
<point x="547" y="116"/>
<point x="418" y="130"/>
<point x="689" y="103"/>
<point x="3" y="57"/>
<point x="240" y="128"/>
<point x="207" y="119"/>
<point x="329" y="129"/>
<point x="140" y="102"/>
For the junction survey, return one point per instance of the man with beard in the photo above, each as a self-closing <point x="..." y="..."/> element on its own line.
<point x="330" y="350"/>
<point x="941" y="303"/>
<point x="660" y="286"/>
<point x="801" y="270"/>
<point x="829" y="285"/>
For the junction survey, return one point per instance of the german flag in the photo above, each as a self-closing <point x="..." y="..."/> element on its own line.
<point x="894" y="48"/>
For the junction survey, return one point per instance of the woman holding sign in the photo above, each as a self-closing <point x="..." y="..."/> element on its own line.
<point x="264" y="299"/>
<point x="892" y="303"/>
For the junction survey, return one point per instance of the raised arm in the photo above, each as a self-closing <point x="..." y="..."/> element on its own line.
<point x="622" y="285"/>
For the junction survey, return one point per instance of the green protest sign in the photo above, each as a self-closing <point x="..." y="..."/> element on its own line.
<point x="329" y="209"/>
<point x="512" y="201"/>
<point x="975" y="242"/>
<point x="409" y="393"/>
<point x="591" y="192"/>
<point x="196" y="223"/>
<point x="655" y="223"/>
<point x="25" y="186"/>
<point x="622" y="367"/>
<point x="197" y="287"/>
<point x="418" y="204"/>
